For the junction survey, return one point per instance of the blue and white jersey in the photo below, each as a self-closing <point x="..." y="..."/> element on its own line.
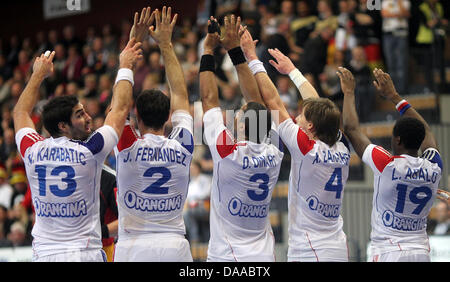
<point x="153" y="178"/>
<point x="405" y="188"/>
<point x="316" y="191"/>
<point x="64" y="178"/>
<point x="244" y="177"/>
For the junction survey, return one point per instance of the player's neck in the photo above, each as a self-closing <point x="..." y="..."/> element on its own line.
<point x="412" y="153"/>
<point x="144" y="131"/>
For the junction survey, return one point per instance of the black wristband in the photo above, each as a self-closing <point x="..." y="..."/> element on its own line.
<point x="207" y="63"/>
<point x="237" y="56"/>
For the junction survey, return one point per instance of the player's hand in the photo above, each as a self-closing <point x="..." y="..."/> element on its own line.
<point x="232" y="33"/>
<point x="384" y="84"/>
<point x="443" y="196"/>
<point x="348" y="83"/>
<point x="282" y="64"/>
<point x="131" y="54"/>
<point x="248" y="46"/>
<point x="212" y="40"/>
<point x="43" y="66"/>
<point x="164" y="27"/>
<point x="142" y="24"/>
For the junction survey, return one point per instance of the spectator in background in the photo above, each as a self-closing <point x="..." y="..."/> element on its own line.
<point x="105" y="86"/>
<point x="72" y="88"/>
<point x="287" y="94"/>
<point x="364" y="91"/>
<point x="326" y="17"/>
<point x="60" y="60"/>
<point x="315" y="56"/>
<point x="304" y="24"/>
<point x="196" y="213"/>
<point x="53" y="39"/>
<point x="69" y="37"/>
<point x="5" y="69"/>
<point x="73" y="65"/>
<point x="6" y="191"/>
<point x="230" y="98"/>
<point x="98" y="57"/>
<point x="41" y="43"/>
<point x="431" y="40"/>
<point x="109" y="40"/>
<point x="24" y="63"/>
<point x="4" y="222"/>
<point x="345" y="40"/>
<point x="287" y="12"/>
<point x="395" y="14"/>
<point x="366" y="26"/>
<point x="90" y="86"/>
<point x="439" y="224"/>
<point x="329" y="80"/>
<point x="19" y="182"/>
<point x="141" y="72"/>
<point x="14" y="49"/>
<point x="7" y="146"/>
<point x="16" y="238"/>
<point x="225" y="7"/>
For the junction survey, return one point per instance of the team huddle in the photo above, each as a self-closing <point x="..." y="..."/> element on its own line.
<point x="64" y="170"/>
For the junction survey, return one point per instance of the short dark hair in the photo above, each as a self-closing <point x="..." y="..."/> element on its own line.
<point x="58" y="110"/>
<point x="153" y="108"/>
<point x="262" y="126"/>
<point x="411" y="132"/>
<point x="326" y="118"/>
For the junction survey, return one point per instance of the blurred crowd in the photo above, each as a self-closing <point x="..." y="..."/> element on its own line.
<point x="318" y="36"/>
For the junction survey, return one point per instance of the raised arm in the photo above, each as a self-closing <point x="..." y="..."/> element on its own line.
<point x="386" y="88"/>
<point x="349" y="116"/>
<point x="122" y="99"/>
<point x="175" y="77"/>
<point x="208" y="84"/>
<point x="269" y="92"/>
<point x="42" y="68"/>
<point x="142" y="24"/>
<point x="285" y="66"/>
<point x="231" y="42"/>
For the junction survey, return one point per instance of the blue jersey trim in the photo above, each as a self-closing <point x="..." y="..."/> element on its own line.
<point x="185" y="138"/>
<point x="95" y="143"/>
<point x="433" y="156"/>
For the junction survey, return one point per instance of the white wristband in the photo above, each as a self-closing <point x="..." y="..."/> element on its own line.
<point x="256" y="66"/>
<point x="125" y="74"/>
<point x="297" y="77"/>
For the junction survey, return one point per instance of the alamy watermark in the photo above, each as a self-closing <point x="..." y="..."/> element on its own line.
<point x="374" y="5"/>
<point x="73" y="5"/>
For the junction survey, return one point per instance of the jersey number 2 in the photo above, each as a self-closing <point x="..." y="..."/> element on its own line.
<point x="156" y="187"/>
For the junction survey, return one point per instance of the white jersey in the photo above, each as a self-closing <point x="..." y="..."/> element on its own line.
<point x="64" y="178"/>
<point x="316" y="190"/>
<point x="153" y="179"/>
<point x="404" y="191"/>
<point x="244" y="177"/>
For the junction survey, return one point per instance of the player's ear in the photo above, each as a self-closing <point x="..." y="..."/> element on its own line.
<point x="311" y="127"/>
<point x="63" y="127"/>
<point x="397" y="140"/>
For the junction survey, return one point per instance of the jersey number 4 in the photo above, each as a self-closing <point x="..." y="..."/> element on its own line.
<point x="330" y="186"/>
